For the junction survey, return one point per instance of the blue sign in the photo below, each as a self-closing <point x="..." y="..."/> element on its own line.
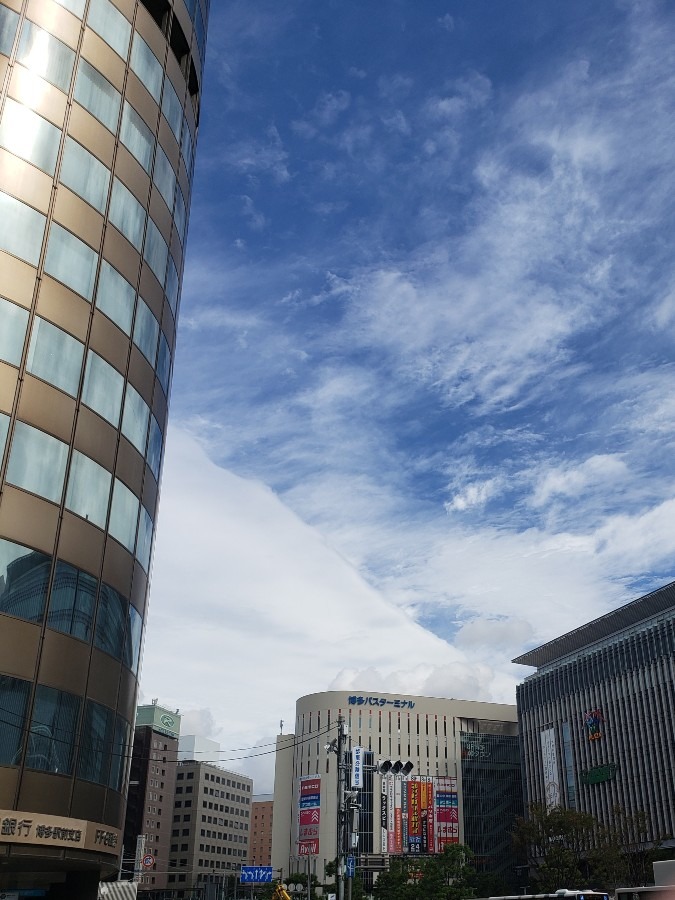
<point x="256" y="874"/>
<point x="307" y="801"/>
<point x="350" y="867"/>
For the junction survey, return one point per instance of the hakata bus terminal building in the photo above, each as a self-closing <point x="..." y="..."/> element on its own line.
<point x="99" y="110"/>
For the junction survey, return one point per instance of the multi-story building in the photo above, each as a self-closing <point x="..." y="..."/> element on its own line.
<point x="152" y="784"/>
<point x="597" y="717"/>
<point x="260" y="840"/>
<point x="99" y="104"/>
<point x="462" y="785"/>
<point x="211" y="825"/>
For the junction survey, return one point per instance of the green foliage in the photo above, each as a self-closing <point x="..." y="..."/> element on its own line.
<point x="445" y="876"/>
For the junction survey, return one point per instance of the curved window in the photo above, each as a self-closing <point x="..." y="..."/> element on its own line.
<point x="154" y="454"/>
<point x="110" y="24"/>
<point x="84" y="174"/>
<point x="144" y="543"/>
<point x="126" y="213"/>
<point x="120" y="754"/>
<point x="187" y="149"/>
<point x="13" y="323"/>
<point x="98" y="725"/>
<point x="21" y="229"/>
<point x="8" y="22"/>
<point x="172" y="109"/>
<point x="51" y="737"/>
<point x="146" y="65"/>
<point x="45" y="55"/>
<point x="72" y="602"/>
<point x="55" y="356"/>
<point x="102" y="389"/>
<point x="164" y="177"/>
<point x="180" y="215"/>
<point x="75" y="6"/>
<point x="171" y="287"/>
<point x="4" y="428"/>
<point x="136" y="136"/>
<point x="155" y="250"/>
<point x="14" y="693"/>
<point x="123" y="516"/>
<point x="135" y="418"/>
<point x="164" y="364"/>
<point x="29" y="136"/>
<point x="71" y="261"/>
<point x="88" y="489"/>
<point x="37" y="462"/>
<point x="115" y="297"/>
<point x="200" y="31"/>
<point x="132" y="644"/>
<point x="111" y="618"/>
<point x="97" y="95"/>
<point x="146" y="331"/>
<point x="24" y="577"/>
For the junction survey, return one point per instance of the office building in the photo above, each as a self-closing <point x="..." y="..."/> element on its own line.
<point x="152" y="784"/>
<point x="260" y="838"/>
<point x="211" y="825"/>
<point x="99" y="105"/>
<point x="597" y="717"/>
<point x="463" y="785"/>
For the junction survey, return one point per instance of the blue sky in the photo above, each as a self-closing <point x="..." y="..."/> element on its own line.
<point x="423" y="400"/>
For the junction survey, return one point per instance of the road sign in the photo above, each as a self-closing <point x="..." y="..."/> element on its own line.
<point x="350" y="867"/>
<point x="148" y="861"/>
<point x="256" y="874"/>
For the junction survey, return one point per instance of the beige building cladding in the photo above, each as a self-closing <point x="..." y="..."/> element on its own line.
<point x="436" y="735"/>
<point x="99" y="104"/>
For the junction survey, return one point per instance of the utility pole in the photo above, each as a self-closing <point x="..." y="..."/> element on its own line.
<point x="342" y="812"/>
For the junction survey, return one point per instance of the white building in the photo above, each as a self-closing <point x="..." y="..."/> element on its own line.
<point x="464" y="786"/>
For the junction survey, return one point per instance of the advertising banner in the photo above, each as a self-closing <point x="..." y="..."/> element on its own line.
<point x="549" y="758"/>
<point x="309" y="814"/>
<point x="446" y="808"/>
<point x="357" y="767"/>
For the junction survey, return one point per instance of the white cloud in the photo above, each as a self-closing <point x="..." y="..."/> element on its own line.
<point x="605" y="470"/>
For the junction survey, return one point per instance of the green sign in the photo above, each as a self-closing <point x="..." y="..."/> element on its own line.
<point x="599" y="774"/>
<point x="160" y="719"/>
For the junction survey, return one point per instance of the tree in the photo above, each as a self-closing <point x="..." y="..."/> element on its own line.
<point x="556" y="844"/>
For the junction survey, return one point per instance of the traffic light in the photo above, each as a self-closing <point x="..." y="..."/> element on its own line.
<point x="394" y="767"/>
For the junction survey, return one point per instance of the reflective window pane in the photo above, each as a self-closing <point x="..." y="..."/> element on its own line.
<point x="200" y="31"/>
<point x="88" y="489"/>
<point x="37" y="462"/>
<point x="115" y="297"/>
<point x="146" y="65"/>
<point x="71" y="261"/>
<point x="172" y="109"/>
<point x="132" y="644"/>
<point x="51" y="737"/>
<point x="14" y="694"/>
<point x="102" y="389"/>
<point x="164" y="177"/>
<point x="55" y="356"/>
<point x="4" y="429"/>
<point x="136" y="136"/>
<point x="24" y="577"/>
<point x="75" y="6"/>
<point x="154" y="454"/>
<point x="110" y="24"/>
<point x="146" y="331"/>
<point x="155" y="250"/>
<point x="13" y="322"/>
<point x="164" y="364"/>
<point x="97" y="95"/>
<point x="96" y="740"/>
<point x="135" y="418"/>
<point x="84" y="174"/>
<point x="8" y="23"/>
<point x="180" y="215"/>
<point x="72" y="602"/>
<point x="21" y="229"/>
<point x="111" y="617"/>
<point x="187" y="149"/>
<point x="46" y="56"/>
<point x="171" y="286"/>
<point x="126" y="213"/>
<point x="144" y="542"/>
<point x="120" y="753"/>
<point x="123" y="516"/>
<point x="29" y="136"/>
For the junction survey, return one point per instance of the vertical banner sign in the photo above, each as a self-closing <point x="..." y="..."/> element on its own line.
<point x="309" y="815"/>
<point x="383" y="815"/>
<point x="549" y="758"/>
<point x="414" y="837"/>
<point x="404" y="817"/>
<point x="357" y="767"/>
<point x="391" y="840"/>
<point x="398" y="820"/>
<point x="446" y="813"/>
<point x="431" y="825"/>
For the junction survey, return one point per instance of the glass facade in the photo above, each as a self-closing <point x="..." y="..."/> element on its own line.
<point x="86" y="363"/>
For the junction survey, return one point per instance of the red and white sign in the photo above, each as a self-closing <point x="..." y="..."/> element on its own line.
<point x="309" y="815"/>
<point x="148" y="861"/>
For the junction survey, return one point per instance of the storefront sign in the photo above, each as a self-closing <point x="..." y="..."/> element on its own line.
<point x="599" y="774"/>
<point x="18" y="827"/>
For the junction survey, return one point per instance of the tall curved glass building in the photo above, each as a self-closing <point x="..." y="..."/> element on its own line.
<point x="99" y="107"/>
